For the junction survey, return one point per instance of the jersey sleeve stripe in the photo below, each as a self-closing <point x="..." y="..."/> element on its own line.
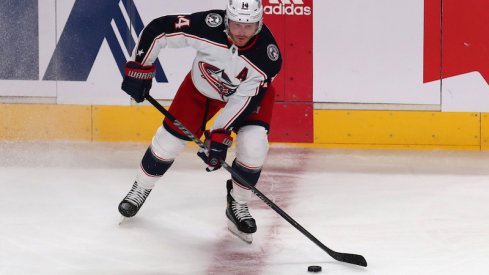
<point x="197" y="38"/>
<point x="148" y="54"/>
<point x="257" y="90"/>
<point x="238" y="113"/>
<point x="254" y="67"/>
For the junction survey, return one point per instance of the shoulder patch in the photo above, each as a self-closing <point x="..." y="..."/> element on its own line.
<point x="273" y="52"/>
<point x="213" y="20"/>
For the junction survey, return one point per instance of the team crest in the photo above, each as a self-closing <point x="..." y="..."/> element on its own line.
<point x="218" y="79"/>
<point x="273" y="52"/>
<point x="213" y="20"/>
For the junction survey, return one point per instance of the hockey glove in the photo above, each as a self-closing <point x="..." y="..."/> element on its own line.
<point x="138" y="80"/>
<point x="217" y="143"/>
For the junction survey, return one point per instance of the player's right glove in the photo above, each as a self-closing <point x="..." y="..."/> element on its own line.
<point x="138" y="80"/>
<point x="217" y="143"/>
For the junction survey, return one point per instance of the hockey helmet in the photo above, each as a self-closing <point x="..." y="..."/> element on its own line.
<point x="244" y="11"/>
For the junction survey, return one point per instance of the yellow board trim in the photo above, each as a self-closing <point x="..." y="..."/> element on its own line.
<point x="125" y="124"/>
<point x="397" y="129"/>
<point x="45" y="122"/>
<point x="332" y="128"/>
<point x="485" y="132"/>
<point x="384" y="146"/>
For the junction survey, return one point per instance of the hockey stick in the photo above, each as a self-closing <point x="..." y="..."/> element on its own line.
<point x="342" y="257"/>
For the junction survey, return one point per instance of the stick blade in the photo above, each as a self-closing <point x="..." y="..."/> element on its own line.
<point x="350" y="258"/>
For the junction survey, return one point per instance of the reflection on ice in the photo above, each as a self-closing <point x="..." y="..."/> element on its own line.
<point x="407" y="212"/>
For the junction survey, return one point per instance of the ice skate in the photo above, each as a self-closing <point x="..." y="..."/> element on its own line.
<point x="240" y="221"/>
<point x="133" y="201"/>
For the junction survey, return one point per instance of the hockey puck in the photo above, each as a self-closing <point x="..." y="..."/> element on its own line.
<point x="314" y="268"/>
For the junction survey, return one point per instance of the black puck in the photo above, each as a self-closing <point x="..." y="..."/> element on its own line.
<point x="314" y="268"/>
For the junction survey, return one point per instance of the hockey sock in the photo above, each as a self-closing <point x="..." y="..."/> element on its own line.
<point x="240" y="192"/>
<point x="152" y="168"/>
<point x="250" y="175"/>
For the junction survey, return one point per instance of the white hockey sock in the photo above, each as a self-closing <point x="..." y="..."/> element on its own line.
<point x="240" y="194"/>
<point x="146" y="181"/>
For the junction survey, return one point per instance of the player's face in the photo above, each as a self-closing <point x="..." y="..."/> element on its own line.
<point x="241" y="33"/>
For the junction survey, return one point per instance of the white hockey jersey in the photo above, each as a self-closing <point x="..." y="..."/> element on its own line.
<point x="221" y="70"/>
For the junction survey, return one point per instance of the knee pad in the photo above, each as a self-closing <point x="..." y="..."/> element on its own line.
<point x="165" y="146"/>
<point x="252" y="146"/>
<point x="158" y="157"/>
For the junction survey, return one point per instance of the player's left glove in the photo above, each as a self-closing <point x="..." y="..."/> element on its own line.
<point x="217" y="143"/>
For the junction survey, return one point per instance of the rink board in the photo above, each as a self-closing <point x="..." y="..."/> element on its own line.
<point x="485" y="131"/>
<point x="45" y="122"/>
<point x="332" y="128"/>
<point x="398" y="129"/>
<point x="125" y="124"/>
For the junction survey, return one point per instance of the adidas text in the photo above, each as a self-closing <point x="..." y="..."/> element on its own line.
<point x="287" y="9"/>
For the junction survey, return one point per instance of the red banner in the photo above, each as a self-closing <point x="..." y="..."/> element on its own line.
<point x="291" y="22"/>
<point x="462" y="39"/>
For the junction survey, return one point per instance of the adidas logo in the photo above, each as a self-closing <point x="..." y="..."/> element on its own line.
<point x="287" y="7"/>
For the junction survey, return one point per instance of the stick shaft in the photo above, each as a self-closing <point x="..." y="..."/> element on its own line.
<point x="343" y="257"/>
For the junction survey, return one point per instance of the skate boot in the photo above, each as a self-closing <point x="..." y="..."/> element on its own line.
<point x="131" y="204"/>
<point x="240" y="221"/>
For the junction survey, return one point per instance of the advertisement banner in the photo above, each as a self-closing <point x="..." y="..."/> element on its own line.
<point x="380" y="51"/>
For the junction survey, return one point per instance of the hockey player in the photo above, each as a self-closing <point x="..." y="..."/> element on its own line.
<point x="237" y="58"/>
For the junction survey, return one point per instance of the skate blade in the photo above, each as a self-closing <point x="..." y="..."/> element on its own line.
<point x="123" y="219"/>
<point x="246" y="237"/>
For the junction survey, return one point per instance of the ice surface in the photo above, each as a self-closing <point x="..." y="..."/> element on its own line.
<point x="407" y="212"/>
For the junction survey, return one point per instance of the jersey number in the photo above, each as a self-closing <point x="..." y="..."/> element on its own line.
<point x="182" y="22"/>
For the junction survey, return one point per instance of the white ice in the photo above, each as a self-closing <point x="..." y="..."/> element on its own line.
<point x="406" y="212"/>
